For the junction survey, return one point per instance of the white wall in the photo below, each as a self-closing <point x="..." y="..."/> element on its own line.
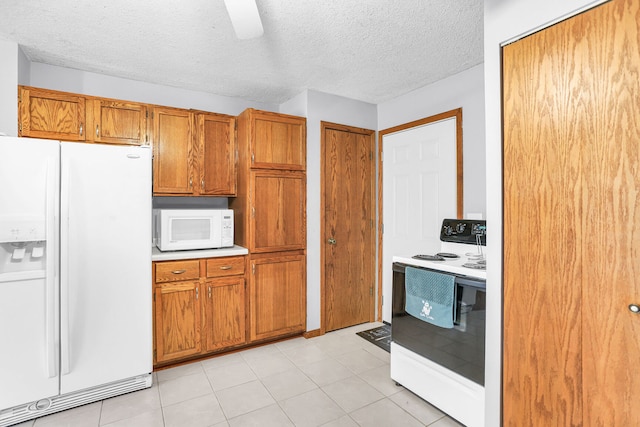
<point x="463" y="90"/>
<point x="9" y="88"/>
<point x="504" y="21"/>
<point x="70" y="80"/>
<point x="329" y="108"/>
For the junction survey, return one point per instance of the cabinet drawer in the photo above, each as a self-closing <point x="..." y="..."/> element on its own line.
<point x="175" y="271"/>
<point x="228" y="266"/>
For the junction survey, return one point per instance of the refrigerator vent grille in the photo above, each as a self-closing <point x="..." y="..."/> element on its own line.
<point x="67" y="401"/>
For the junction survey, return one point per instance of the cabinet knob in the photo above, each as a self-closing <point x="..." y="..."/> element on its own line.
<point x="97" y="131"/>
<point x="202" y="184"/>
<point x="81" y="129"/>
<point x="178" y="271"/>
<point x="634" y="308"/>
<point x="225" y="267"/>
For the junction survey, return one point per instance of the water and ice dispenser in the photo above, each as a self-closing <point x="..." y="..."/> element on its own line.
<point x="22" y="244"/>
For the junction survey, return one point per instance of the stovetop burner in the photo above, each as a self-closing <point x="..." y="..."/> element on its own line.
<point x="475" y="265"/>
<point x="447" y="255"/>
<point x="429" y="257"/>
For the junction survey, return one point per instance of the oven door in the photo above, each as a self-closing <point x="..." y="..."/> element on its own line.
<point x="459" y="349"/>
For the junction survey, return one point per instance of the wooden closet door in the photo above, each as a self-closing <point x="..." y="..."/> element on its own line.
<point x="571" y="216"/>
<point x="611" y="214"/>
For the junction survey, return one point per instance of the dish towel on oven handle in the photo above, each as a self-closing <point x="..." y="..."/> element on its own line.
<point x="430" y="296"/>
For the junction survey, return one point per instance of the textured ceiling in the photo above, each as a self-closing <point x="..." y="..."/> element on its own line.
<point x="369" y="50"/>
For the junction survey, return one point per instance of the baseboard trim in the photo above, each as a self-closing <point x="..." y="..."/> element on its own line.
<point x="312" y="334"/>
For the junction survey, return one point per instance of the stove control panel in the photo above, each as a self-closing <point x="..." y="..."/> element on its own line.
<point x="468" y="231"/>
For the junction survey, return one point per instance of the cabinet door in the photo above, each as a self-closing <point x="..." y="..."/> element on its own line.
<point x="217" y="155"/>
<point x="277" y="298"/>
<point x="51" y="114"/>
<point x="116" y="122"/>
<point x="278" y="211"/>
<point x="177" y="326"/>
<point x="278" y="142"/>
<point x="224" y="315"/>
<point x="173" y="169"/>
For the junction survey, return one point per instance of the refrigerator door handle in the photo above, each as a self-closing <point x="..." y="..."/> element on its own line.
<point x="65" y="346"/>
<point x="50" y="276"/>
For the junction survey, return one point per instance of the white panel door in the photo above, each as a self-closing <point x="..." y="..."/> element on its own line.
<point x="419" y="190"/>
<point x="28" y="282"/>
<point x="105" y="264"/>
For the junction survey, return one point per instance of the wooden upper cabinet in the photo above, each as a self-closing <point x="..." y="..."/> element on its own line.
<point x="216" y="159"/>
<point x="173" y="168"/>
<point x="277" y="141"/>
<point x="51" y="114"/>
<point x="116" y="122"/>
<point x="278" y="220"/>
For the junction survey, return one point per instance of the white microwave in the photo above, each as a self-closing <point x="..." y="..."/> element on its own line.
<point x="185" y="229"/>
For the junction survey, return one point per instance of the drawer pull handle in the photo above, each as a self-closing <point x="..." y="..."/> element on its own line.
<point x="225" y="267"/>
<point x="178" y="271"/>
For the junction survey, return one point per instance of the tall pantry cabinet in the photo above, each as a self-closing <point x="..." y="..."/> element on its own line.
<point x="571" y="334"/>
<point x="270" y="220"/>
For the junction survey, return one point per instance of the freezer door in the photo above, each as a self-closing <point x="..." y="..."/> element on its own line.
<point x="105" y="263"/>
<point x="28" y="261"/>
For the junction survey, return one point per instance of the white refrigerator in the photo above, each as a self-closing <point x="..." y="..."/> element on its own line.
<point x="75" y="274"/>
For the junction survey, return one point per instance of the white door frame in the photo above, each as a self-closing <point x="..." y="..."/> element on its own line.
<point x="457" y="114"/>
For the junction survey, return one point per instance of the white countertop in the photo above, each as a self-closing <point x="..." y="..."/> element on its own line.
<point x="449" y="266"/>
<point x="158" y="255"/>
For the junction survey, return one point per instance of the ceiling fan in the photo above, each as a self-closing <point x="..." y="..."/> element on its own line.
<point x="244" y="18"/>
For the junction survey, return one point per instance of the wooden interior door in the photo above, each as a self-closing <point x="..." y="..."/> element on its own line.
<point x="571" y="221"/>
<point x="349" y="226"/>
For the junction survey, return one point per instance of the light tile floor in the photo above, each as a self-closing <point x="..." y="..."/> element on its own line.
<point x="335" y="380"/>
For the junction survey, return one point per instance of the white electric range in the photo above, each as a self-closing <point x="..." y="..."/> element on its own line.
<point x="445" y="366"/>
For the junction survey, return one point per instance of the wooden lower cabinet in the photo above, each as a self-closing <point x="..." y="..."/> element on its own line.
<point x="199" y="307"/>
<point x="277" y="296"/>
<point x="177" y="320"/>
<point x="209" y="305"/>
<point x="224" y="313"/>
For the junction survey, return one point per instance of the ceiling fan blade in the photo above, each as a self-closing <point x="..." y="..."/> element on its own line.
<point x="244" y="18"/>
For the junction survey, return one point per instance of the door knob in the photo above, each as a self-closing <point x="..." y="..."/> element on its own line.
<point x="331" y="241"/>
<point x="634" y="308"/>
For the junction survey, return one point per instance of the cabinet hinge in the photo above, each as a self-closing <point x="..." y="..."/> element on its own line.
<point x="20" y="127"/>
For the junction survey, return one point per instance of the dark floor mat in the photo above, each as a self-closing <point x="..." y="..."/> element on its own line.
<point x="380" y="336"/>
